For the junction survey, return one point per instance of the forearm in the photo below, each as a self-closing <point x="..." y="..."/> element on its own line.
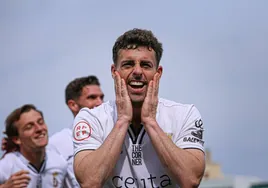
<point x="182" y="165"/>
<point x="96" y="167"/>
<point x="4" y="185"/>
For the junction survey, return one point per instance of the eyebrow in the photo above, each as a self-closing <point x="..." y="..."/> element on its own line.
<point x="146" y="61"/>
<point x="31" y="122"/>
<point x="95" y="95"/>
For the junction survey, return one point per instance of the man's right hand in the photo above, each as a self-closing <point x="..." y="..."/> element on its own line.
<point x="123" y="103"/>
<point x="20" y="179"/>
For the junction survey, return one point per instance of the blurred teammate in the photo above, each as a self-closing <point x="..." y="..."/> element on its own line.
<point x="79" y="93"/>
<point x="31" y="165"/>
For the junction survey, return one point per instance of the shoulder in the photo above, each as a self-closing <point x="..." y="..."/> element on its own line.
<point x="7" y="163"/>
<point x="55" y="159"/>
<point x="100" y="113"/>
<point x="172" y="106"/>
<point x="61" y="134"/>
<point x="62" y="142"/>
<point x="9" y="157"/>
<point x="177" y="112"/>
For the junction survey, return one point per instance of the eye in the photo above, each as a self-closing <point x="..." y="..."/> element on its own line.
<point x="146" y="64"/>
<point x="40" y="121"/>
<point x="92" y="97"/>
<point x="127" y="64"/>
<point x="28" y="127"/>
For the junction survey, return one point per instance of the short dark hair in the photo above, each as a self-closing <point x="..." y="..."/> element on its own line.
<point x="12" y="118"/>
<point x="135" y="38"/>
<point x="74" y="89"/>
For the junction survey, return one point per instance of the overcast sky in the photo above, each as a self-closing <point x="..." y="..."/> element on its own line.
<point x="215" y="56"/>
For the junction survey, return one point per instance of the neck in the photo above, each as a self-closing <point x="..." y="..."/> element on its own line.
<point x="136" y="120"/>
<point x="36" y="158"/>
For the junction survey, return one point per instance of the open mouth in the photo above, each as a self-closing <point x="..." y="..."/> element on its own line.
<point x="137" y="84"/>
<point x="43" y="135"/>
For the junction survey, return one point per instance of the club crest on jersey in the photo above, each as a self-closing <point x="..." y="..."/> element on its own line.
<point x="55" y="181"/>
<point x="82" y="130"/>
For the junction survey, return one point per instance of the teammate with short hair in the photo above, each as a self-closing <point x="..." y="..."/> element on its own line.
<point x="80" y="92"/>
<point x="138" y="140"/>
<point x="32" y="165"/>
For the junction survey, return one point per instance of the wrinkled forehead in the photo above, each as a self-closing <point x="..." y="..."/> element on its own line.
<point x="137" y="54"/>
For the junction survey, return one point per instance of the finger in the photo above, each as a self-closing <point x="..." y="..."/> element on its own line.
<point x="156" y="84"/>
<point x="22" y="177"/>
<point x="21" y="186"/>
<point x="21" y="181"/>
<point x="149" y="90"/>
<point x="124" y="88"/>
<point x="21" y="172"/>
<point x="117" y="84"/>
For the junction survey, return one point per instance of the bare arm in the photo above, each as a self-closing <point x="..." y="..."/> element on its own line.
<point x="93" y="168"/>
<point x="185" y="166"/>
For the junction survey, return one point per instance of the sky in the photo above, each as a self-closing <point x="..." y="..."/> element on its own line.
<point x="215" y="56"/>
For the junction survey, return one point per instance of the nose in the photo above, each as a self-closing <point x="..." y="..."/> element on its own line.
<point x="137" y="69"/>
<point x="99" y="101"/>
<point x="38" y="127"/>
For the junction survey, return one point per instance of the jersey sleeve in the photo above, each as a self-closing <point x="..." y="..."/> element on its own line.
<point x="5" y="170"/>
<point x="191" y="134"/>
<point x="86" y="131"/>
<point x="62" y="142"/>
<point x="70" y="180"/>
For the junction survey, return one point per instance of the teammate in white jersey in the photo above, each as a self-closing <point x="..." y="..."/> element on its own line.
<point x="52" y="172"/>
<point x="80" y="92"/>
<point x="139" y="140"/>
<point x="31" y="165"/>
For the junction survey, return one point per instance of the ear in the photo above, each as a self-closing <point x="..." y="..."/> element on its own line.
<point x="113" y="69"/>
<point x="73" y="106"/>
<point x="160" y="70"/>
<point x="16" y="140"/>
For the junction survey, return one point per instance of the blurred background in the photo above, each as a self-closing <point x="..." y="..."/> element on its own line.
<point x="215" y="56"/>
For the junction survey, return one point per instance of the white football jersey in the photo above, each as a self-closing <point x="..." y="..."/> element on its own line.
<point x="62" y="142"/>
<point x="138" y="164"/>
<point x="51" y="174"/>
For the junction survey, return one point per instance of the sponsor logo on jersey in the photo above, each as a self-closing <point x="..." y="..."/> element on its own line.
<point x="199" y="132"/>
<point x="137" y="154"/>
<point x="82" y="131"/>
<point x="145" y="182"/>
<point x="193" y="140"/>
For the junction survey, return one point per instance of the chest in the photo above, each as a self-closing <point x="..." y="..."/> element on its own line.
<point x="52" y="176"/>
<point x="139" y="165"/>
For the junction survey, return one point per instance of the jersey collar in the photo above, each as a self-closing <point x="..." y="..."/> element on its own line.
<point x="29" y="165"/>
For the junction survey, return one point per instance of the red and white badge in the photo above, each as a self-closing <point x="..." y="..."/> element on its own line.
<point x="82" y="131"/>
